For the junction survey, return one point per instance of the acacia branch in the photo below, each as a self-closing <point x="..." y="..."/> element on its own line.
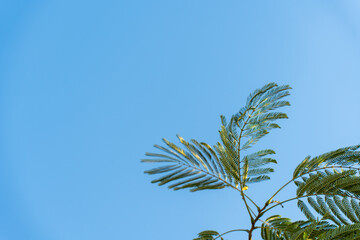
<point x="309" y="195"/>
<point x="307" y="172"/>
<point x="239" y="169"/>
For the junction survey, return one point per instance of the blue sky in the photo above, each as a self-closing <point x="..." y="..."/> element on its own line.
<point x="87" y="87"/>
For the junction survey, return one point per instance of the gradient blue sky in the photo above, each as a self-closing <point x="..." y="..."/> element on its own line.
<point x="87" y="87"/>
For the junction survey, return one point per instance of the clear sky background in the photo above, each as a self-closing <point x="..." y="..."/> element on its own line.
<point x="87" y="87"/>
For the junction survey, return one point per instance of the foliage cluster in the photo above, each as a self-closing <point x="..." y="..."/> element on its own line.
<point x="328" y="186"/>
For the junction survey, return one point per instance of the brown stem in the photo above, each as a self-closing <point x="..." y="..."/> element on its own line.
<point x="255" y="220"/>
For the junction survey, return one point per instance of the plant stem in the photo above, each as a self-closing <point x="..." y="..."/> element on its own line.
<point x="280" y="189"/>
<point x="253" y="227"/>
<point x="235" y="230"/>
<point x="251" y="201"/>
